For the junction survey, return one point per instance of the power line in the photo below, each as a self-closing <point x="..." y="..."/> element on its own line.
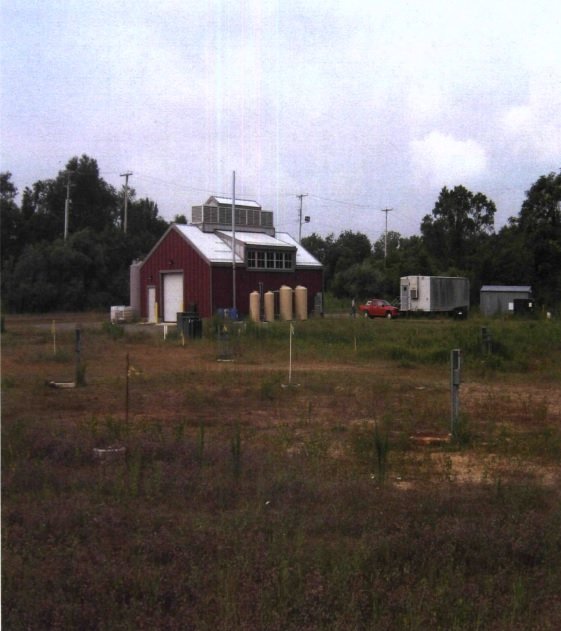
<point x="171" y="183"/>
<point x="339" y="201"/>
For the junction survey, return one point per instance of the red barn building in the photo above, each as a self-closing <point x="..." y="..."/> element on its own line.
<point x="194" y="264"/>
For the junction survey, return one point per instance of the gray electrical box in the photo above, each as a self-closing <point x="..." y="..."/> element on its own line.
<point x="456" y="367"/>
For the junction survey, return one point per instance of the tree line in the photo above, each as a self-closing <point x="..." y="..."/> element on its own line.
<point x="457" y="238"/>
<point x="42" y="271"/>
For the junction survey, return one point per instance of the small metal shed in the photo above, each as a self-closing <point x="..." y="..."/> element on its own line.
<point x="494" y="299"/>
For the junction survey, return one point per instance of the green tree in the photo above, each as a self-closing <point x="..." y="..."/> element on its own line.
<point x="42" y="208"/>
<point x="505" y="258"/>
<point x="539" y="223"/>
<point x="93" y="203"/>
<point x="392" y="240"/>
<point x="90" y="269"/>
<point x="460" y="222"/>
<point x="29" y="287"/>
<point x="541" y="210"/>
<point x="10" y="219"/>
<point x="347" y="250"/>
<point x="362" y="280"/>
<point x="318" y="246"/>
<point x="413" y="257"/>
<point x="145" y="226"/>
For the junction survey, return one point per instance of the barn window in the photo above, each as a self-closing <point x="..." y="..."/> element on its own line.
<point x="270" y="259"/>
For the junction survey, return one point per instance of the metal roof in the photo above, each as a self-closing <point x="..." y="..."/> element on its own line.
<point x="239" y="202"/>
<point x="209" y="245"/>
<point x="507" y="288"/>
<point x="215" y="250"/>
<point x="303" y="257"/>
<point x="255" y="238"/>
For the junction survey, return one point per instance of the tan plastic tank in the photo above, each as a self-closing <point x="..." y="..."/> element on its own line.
<point x="301" y="302"/>
<point x="285" y="299"/>
<point x="269" y="300"/>
<point x="254" y="306"/>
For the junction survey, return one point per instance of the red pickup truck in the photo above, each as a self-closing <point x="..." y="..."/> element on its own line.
<point x="377" y="308"/>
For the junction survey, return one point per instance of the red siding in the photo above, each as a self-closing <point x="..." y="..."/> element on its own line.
<point x="246" y="282"/>
<point x="211" y="287"/>
<point x="175" y="254"/>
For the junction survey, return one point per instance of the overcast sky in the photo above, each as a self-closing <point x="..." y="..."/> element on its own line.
<point x="363" y="105"/>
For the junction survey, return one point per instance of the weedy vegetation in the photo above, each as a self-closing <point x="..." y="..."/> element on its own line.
<point x="228" y="501"/>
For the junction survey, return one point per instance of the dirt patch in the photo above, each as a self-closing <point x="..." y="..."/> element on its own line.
<point x="174" y="384"/>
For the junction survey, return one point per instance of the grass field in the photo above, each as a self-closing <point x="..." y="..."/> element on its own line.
<point x="235" y="500"/>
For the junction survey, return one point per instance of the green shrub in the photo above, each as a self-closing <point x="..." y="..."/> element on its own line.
<point x="114" y="331"/>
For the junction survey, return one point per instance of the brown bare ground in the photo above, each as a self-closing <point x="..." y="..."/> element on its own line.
<point x="164" y="376"/>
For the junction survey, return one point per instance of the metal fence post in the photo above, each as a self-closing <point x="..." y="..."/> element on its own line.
<point x="486" y="340"/>
<point x="455" y="380"/>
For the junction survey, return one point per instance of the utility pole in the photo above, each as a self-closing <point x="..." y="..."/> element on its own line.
<point x="386" y="210"/>
<point x="125" y="218"/>
<point x="67" y="203"/>
<point x="300" y="216"/>
<point x="234" y="240"/>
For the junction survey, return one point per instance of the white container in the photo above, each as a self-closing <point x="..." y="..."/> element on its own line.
<point x="434" y="294"/>
<point x="121" y="314"/>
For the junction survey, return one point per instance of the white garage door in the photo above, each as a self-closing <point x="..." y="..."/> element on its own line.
<point x="173" y="296"/>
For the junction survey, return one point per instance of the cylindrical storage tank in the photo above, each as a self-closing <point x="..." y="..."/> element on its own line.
<point x="301" y="302"/>
<point x="134" y="287"/>
<point x="255" y="306"/>
<point x="285" y="299"/>
<point x="269" y="300"/>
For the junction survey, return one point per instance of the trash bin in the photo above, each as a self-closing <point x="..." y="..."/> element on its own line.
<point x="189" y="324"/>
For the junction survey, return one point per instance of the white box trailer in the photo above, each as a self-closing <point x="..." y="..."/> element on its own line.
<point x="434" y="294"/>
